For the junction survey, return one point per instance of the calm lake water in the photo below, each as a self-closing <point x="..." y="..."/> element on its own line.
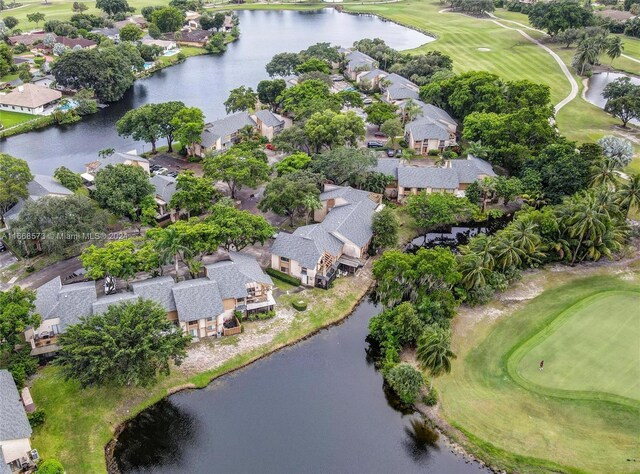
<point x="599" y="81"/>
<point x="205" y="81"/>
<point x="318" y="406"/>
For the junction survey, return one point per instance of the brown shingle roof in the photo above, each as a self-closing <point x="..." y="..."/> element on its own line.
<point x="30" y="95"/>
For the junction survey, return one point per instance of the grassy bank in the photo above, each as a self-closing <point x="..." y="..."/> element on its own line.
<point x="557" y="420"/>
<point x="80" y="422"/>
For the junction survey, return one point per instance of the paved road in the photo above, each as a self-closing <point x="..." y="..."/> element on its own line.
<point x="63" y="268"/>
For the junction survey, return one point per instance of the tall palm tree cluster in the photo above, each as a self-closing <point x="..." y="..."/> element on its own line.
<point x="585" y="227"/>
<point x="593" y="46"/>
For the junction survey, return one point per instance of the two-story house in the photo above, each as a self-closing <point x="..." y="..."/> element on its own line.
<point x="338" y="242"/>
<point x="15" y="430"/>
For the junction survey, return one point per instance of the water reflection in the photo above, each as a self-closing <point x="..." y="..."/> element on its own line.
<point x="421" y="440"/>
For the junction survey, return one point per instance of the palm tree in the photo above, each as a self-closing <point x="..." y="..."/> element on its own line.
<point x="614" y="47"/>
<point x="508" y="253"/>
<point x="603" y="173"/>
<point x="474" y="272"/>
<point x="434" y="352"/>
<point x="411" y="111"/>
<point x="585" y="223"/>
<point x="309" y="204"/>
<point x="478" y="150"/>
<point x="484" y="247"/>
<point x="629" y="194"/>
<point x="170" y="247"/>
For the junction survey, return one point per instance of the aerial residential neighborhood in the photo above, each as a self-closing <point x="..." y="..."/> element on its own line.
<point x="350" y="237"/>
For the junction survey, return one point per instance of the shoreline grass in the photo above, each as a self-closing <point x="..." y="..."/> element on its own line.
<point x="529" y="431"/>
<point x="82" y="422"/>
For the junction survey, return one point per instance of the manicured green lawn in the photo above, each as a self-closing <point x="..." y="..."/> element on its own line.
<point x="592" y="346"/>
<point x="80" y="422"/>
<point x="9" y="119"/>
<point x="534" y="426"/>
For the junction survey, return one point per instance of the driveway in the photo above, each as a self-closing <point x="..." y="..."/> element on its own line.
<point x="63" y="268"/>
<point x="176" y="164"/>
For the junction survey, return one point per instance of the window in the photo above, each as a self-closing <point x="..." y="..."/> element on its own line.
<point x="284" y="269"/>
<point x="284" y="259"/>
<point x="210" y="318"/>
<point x="303" y="271"/>
<point x="210" y="327"/>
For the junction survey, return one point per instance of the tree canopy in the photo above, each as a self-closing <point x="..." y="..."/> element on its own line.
<point x="129" y="344"/>
<point x="291" y="194"/>
<point x="14" y="176"/>
<point x="269" y="92"/>
<point x="123" y="190"/>
<point x="241" y="98"/>
<point x="559" y="15"/>
<point x="238" y="168"/>
<point x="193" y="194"/>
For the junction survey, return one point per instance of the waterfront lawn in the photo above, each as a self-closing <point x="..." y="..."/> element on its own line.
<point x="520" y="429"/>
<point x="9" y="119"/>
<point x="80" y="422"/>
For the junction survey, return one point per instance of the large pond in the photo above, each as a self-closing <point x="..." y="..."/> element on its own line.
<point x="318" y="406"/>
<point x="599" y="81"/>
<point x="205" y="81"/>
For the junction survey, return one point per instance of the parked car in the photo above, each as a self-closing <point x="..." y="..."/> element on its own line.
<point x="379" y="135"/>
<point x="391" y="153"/>
<point x="270" y="146"/>
<point x="3" y="247"/>
<point x="367" y="101"/>
<point x="374" y="145"/>
<point x="337" y="78"/>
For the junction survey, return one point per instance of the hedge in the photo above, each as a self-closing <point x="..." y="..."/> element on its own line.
<point x="300" y="305"/>
<point x="283" y="276"/>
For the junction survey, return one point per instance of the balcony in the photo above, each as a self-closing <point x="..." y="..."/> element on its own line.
<point x="44" y="343"/>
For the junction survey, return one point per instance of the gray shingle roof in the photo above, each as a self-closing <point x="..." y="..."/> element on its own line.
<point x="356" y="59"/>
<point x="43" y="185"/>
<point x="435" y="113"/>
<point x="349" y="220"/>
<point x="233" y="276"/>
<point x="423" y="177"/>
<point x="400" y="88"/>
<point x="157" y="289"/>
<point x="388" y="167"/>
<point x="13" y="419"/>
<point x="224" y="127"/>
<point x="165" y="186"/>
<point x="4" y="467"/>
<point x="47" y="298"/>
<point x="371" y="75"/>
<point x="103" y="303"/>
<point x="426" y="129"/>
<point x="74" y="302"/>
<point x="269" y="118"/>
<point x="470" y="169"/>
<point x="197" y="299"/>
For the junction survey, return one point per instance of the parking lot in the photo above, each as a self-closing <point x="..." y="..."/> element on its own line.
<point x="168" y="165"/>
<point x="6" y="256"/>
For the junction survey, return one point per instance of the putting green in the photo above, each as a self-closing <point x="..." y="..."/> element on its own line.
<point x="593" y="347"/>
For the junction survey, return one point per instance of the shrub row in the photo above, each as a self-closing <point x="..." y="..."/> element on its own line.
<point x="283" y="276"/>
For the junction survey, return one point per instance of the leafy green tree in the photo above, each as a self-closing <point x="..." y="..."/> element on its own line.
<point x="241" y="98"/>
<point x="291" y="194"/>
<point x="36" y="17"/>
<point x="154" y="31"/>
<point x="238" y="229"/>
<point x="17" y="313"/>
<point x="507" y="188"/>
<point x="50" y="466"/>
<point x="130" y="33"/>
<point x="291" y="164"/>
<point x="420" y="68"/>
<point x="330" y="129"/>
<point x="435" y="210"/>
<point x="283" y="64"/>
<point x="188" y="125"/>
<point x="167" y="112"/>
<point x="168" y="19"/>
<point x="269" y="92"/>
<point x="434" y="353"/>
<point x="216" y="44"/>
<point x="58" y="223"/>
<point x="79" y="7"/>
<point x="568" y="36"/>
<point x="308" y="97"/>
<point x="385" y="228"/>
<point x="10" y="22"/>
<point x="559" y="15"/>
<point x="313" y="64"/>
<point x="193" y="193"/>
<point x="143" y="124"/>
<point x="68" y="178"/>
<point x="237" y="169"/>
<point x="323" y="51"/>
<point x="342" y="165"/>
<point x="14" y="176"/>
<point x="109" y="71"/>
<point x="623" y="99"/>
<point x="393" y="129"/>
<point x="129" y="344"/>
<point x="113" y="7"/>
<point x="379" y="112"/>
<point x="118" y="258"/>
<point x="405" y="381"/>
<point x="409" y="277"/>
<point x="292" y="139"/>
<point x="122" y="189"/>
